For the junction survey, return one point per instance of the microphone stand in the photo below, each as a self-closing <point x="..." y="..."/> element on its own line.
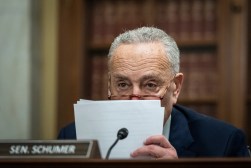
<point x="122" y="134"/>
<point x="110" y="149"/>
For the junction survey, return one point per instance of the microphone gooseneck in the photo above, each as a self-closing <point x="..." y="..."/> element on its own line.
<point x="122" y="134"/>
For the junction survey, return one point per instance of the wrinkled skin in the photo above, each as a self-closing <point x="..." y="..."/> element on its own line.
<point x="144" y="66"/>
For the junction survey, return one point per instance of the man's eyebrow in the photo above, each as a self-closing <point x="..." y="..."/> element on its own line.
<point x="151" y="76"/>
<point x="143" y="78"/>
<point x="119" y="76"/>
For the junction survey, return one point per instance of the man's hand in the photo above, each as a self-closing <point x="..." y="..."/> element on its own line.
<point x="157" y="147"/>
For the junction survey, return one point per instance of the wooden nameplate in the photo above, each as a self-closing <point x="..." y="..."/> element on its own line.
<point x="49" y="148"/>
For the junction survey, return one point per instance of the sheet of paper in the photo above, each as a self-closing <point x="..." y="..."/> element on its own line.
<point x="101" y="120"/>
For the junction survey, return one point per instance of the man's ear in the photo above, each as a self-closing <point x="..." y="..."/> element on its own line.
<point x="178" y="81"/>
<point x="109" y="84"/>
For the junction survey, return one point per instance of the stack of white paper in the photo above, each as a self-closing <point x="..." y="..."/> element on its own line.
<point x="101" y="120"/>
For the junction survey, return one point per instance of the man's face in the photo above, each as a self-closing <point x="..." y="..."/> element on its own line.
<point x="142" y="69"/>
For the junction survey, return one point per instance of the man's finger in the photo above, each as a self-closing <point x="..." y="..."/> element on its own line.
<point x="149" y="150"/>
<point x="158" y="140"/>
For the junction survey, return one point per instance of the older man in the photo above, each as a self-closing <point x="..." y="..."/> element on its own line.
<point x="144" y="64"/>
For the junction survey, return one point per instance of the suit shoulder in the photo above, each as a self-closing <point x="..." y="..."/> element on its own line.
<point x="68" y="132"/>
<point x="211" y="137"/>
<point x="200" y="122"/>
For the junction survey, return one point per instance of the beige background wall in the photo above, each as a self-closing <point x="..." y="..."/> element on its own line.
<point x="28" y="31"/>
<point x="15" y="69"/>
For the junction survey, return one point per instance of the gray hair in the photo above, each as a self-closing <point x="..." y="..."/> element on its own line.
<point x="146" y="35"/>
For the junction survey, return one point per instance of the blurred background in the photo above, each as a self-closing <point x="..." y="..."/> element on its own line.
<point x="53" y="53"/>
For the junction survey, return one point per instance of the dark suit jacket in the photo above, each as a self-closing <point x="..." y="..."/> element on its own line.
<point x="195" y="135"/>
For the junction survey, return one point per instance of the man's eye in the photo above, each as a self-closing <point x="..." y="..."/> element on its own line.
<point x="122" y="85"/>
<point x="151" y="86"/>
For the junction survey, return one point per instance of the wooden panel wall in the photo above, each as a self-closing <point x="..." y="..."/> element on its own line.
<point x="70" y="58"/>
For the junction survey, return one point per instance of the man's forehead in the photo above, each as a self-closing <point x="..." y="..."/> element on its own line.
<point x="153" y="49"/>
<point x="139" y="53"/>
<point x="144" y="76"/>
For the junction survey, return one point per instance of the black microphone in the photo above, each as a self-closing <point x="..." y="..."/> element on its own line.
<point x="122" y="134"/>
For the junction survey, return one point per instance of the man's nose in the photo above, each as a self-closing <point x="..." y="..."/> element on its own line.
<point x="135" y="93"/>
<point x="135" y="97"/>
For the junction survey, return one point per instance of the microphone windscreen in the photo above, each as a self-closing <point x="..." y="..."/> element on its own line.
<point x="122" y="133"/>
